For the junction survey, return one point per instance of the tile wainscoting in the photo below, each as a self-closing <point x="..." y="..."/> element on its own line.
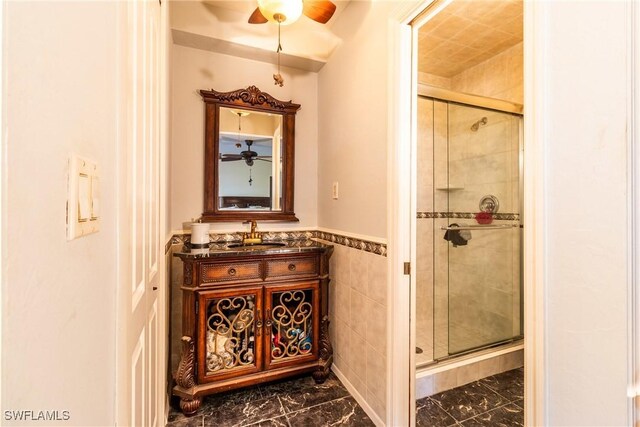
<point x="357" y="309"/>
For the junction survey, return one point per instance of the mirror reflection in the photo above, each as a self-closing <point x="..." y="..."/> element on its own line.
<point x="249" y="160"/>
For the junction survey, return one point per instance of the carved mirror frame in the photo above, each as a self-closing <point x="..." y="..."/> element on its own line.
<point x="252" y="99"/>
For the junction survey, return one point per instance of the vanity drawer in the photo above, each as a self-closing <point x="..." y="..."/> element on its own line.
<point x="292" y="267"/>
<point x="230" y="272"/>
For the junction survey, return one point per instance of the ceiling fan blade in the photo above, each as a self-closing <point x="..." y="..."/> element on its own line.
<point x="262" y="157"/>
<point x="230" y="157"/>
<point x="318" y="10"/>
<point x="264" y="160"/>
<point x="257" y="17"/>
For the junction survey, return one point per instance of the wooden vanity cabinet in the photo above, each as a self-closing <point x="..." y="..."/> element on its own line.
<point x="253" y="318"/>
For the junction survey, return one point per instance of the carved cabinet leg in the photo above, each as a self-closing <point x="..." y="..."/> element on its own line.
<point x="326" y="353"/>
<point x="185" y="376"/>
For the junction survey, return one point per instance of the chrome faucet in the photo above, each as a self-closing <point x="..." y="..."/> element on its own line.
<point x="253" y="237"/>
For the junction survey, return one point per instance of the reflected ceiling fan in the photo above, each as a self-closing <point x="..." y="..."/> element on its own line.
<point x="287" y="11"/>
<point x="247" y="155"/>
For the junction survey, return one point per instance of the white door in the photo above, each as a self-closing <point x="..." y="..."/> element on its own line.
<point x="140" y="388"/>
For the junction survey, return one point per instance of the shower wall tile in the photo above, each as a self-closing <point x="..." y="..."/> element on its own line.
<point x="424" y="288"/>
<point x="498" y="77"/>
<point x="440" y="155"/>
<point x="433" y="80"/>
<point x="425" y="155"/>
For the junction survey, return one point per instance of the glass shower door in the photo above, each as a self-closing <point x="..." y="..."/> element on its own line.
<point x="477" y="253"/>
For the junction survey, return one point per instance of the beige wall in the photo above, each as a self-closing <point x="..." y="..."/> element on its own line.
<point x="498" y="77"/>
<point x="352" y="136"/>
<point x="58" y="297"/>
<point x="352" y="120"/>
<point x="583" y="137"/>
<point x="194" y="69"/>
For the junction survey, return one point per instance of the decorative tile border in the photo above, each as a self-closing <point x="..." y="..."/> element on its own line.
<point x="363" y="245"/>
<point x="467" y="215"/>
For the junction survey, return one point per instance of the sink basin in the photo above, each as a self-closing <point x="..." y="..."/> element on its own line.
<point x="255" y="246"/>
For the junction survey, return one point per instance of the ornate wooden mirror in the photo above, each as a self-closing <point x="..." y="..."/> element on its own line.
<point x="249" y="156"/>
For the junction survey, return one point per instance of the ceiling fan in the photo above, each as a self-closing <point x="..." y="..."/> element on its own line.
<point x="247" y="155"/>
<point x="287" y="11"/>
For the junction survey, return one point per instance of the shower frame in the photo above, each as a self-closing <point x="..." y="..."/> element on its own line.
<point x="477" y="101"/>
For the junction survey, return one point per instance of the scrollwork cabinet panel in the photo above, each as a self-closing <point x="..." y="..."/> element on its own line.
<point x="230" y="333"/>
<point x="292" y="324"/>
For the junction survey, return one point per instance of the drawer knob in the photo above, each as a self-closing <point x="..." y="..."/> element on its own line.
<point x="292" y="267"/>
<point x="232" y="271"/>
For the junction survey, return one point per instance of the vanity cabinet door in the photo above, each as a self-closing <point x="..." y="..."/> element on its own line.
<point x="291" y="323"/>
<point x="230" y="326"/>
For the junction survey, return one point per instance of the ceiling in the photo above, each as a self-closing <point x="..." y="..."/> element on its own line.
<point x="466" y="33"/>
<point x="221" y="26"/>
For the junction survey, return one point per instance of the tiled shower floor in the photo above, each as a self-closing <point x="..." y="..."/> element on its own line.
<point x="298" y="402"/>
<point x="494" y="401"/>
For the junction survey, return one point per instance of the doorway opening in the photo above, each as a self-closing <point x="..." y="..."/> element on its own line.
<point x="467" y="210"/>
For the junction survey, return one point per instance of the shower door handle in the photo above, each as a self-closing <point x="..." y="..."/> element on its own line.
<point x="482" y="227"/>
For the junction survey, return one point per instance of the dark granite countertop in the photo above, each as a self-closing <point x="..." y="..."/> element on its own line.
<point x="217" y="250"/>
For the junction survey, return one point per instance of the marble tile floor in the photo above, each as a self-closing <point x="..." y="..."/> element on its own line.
<point x="297" y="402"/>
<point x="494" y="401"/>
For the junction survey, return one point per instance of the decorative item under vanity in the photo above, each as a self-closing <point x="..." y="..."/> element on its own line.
<point x="252" y="313"/>
<point x="249" y="156"/>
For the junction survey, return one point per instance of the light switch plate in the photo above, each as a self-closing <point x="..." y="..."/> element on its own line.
<point x="83" y="201"/>
<point x="334" y="191"/>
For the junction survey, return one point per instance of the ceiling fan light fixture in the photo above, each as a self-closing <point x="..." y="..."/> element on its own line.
<point x="284" y="12"/>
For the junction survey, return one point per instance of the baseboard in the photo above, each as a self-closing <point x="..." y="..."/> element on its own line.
<point x="361" y="401"/>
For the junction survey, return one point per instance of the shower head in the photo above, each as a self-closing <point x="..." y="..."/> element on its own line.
<point x="474" y="127"/>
